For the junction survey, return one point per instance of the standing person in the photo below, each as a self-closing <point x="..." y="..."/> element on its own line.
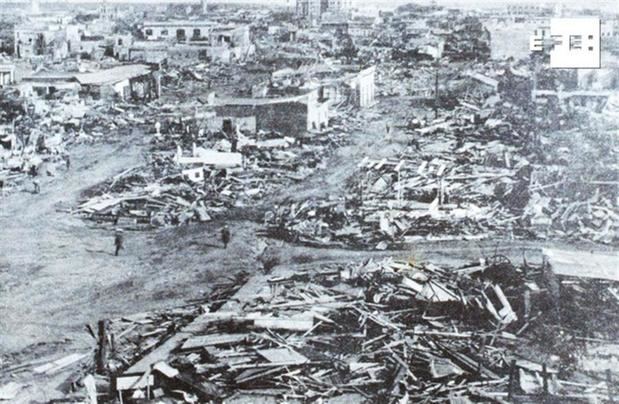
<point x="67" y="161"/>
<point x="387" y="128"/>
<point x="415" y="143"/>
<point x="118" y="241"/>
<point x="37" y="186"/>
<point x="234" y="141"/>
<point x="225" y="236"/>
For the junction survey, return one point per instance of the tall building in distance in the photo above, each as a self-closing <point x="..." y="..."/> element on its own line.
<point x="315" y="9"/>
<point x="34" y="7"/>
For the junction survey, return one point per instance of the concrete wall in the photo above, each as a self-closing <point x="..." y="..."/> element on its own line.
<point x="243" y="123"/>
<point x="364" y="86"/>
<point x="237" y="36"/>
<point x="93" y="48"/>
<point x="147" y="55"/>
<point x="26" y="40"/>
<point x="170" y="32"/>
<point x="317" y="115"/>
<point x="7" y="75"/>
<point x="290" y="118"/>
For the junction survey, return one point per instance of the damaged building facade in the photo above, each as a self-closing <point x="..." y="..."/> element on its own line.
<point x="200" y="39"/>
<point x="124" y="82"/>
<point x="291" y="116"/>
<point x="315" y="9"/>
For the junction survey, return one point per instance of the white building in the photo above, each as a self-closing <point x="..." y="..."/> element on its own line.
<point x="314" y="9"/>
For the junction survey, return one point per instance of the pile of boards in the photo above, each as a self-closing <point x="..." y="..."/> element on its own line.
<point x="119" y="342"/>
<point x="166" y="193"/>
<point x="373" y="331"/>
<point x="389" y="331"/>
<point x="460" y="180"/>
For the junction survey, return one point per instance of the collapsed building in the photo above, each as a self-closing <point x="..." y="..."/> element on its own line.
<point x="297" y="100"/>
<point x="377" y="330"/>
<point x="43" y="35"/>
<point x="124" y="82"/>
<point x="486" y="167"/>
<point x="7" y="73"/>
<point x="340" y="84"/>
<point x="292" y="116"/>
<point x="60" y="37"/>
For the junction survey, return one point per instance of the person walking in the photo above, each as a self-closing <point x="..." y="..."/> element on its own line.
<point x="36" y="185"/>
<point x="118" y="241"/>
<point x="225" y="236"/>
<point x="67" y="161"/>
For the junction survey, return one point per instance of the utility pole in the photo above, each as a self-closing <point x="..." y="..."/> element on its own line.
<point x="101" y="355"/>
<point x="436" y="66"/>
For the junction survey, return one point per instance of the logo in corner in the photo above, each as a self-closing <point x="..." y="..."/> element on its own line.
<point x="574" y="43"/>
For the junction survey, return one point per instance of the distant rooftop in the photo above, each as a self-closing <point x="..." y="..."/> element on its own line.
<point x="113" y="75"/>
<point x="176" y="23"/>
<point x="303" y="98"/>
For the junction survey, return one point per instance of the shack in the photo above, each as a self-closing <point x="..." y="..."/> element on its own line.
<point x="136" y="81"/>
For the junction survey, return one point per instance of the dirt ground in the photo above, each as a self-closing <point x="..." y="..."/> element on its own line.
<point x="58" y="273"/>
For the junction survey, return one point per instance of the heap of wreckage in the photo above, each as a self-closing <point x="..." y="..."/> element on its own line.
<point x="35" y="134"/>
<point x="377" y="331"/>
<point x="491" y="165"/>
<point x="196" y="175"/>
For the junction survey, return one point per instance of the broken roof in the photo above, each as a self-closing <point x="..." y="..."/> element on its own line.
<point x="260" y="101"/>
<point x="484" y="79"/>
<point x="113" y="75"/>
<point x="174" y="23"/>
<point x="47" y="75"/>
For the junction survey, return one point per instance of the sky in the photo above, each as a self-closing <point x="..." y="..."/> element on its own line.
<point x="609" y="5"/>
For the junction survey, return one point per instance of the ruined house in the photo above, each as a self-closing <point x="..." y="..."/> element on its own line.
<point x="291" y="116"/>
<point x="201" y="40"/>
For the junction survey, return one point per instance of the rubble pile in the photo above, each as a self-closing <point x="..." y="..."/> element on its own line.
<point x="165" y="192"/>
<point x="35" y="140"/>
<point x="456" y="190"/>
<point x="467" y="39"/>
<point x="28" y="150"/>
<point x="120" y="342"/>
<point x="378" y="331"/>
<point x="397" y="80"/>
<point x="436" y="197"/>
<point x="137" y="335"/>
<point x="490" y="166"/>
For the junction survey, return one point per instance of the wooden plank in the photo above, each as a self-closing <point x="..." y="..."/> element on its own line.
<point x="283" y="355"/>
<point x="212" y="340"/>
<point x="252" y="374"/>
<point x="132" y="382"/>
<point x="166" y="369"/>
<point x="58" y="364"/>
<point x="285" y="323"/>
